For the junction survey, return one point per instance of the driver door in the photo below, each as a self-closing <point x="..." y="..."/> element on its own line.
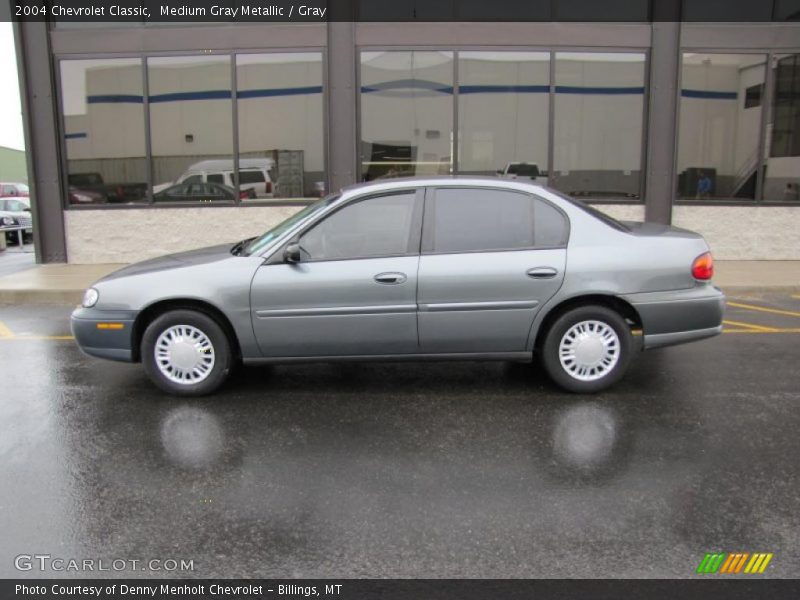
<point x="353" y="291"/>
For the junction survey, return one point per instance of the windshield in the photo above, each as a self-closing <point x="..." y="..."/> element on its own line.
<point x="258" y="244"/>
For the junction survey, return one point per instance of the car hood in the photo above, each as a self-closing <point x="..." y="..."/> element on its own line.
<point x="174" y="261"/>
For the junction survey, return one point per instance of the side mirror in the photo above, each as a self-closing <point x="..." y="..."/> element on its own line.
<point x="291" y="254"/>
<point x="27" y="209"/>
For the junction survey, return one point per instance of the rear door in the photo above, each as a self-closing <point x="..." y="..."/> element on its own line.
<point x="491" y="258"/>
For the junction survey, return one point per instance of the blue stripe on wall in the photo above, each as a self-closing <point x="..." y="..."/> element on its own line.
<point x="267" y="93"/>
<point x="182" y="96"/>
<point x="504" y="89"/>
<point x="398" y="85"/>
<point x="708" y="95"/>
<point x="75" y="136"/>
<point x="571" y="89"/>
<point x="114" y="99"/>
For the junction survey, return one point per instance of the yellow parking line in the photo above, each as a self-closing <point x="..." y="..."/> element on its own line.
<point x="775" y="311"/>
<point x="758" y="331"/>
<point x="750" y="326"/>
<point x="23" y="338"/>
<point x="5" y="332"/>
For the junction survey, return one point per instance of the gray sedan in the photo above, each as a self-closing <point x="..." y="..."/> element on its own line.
<point x="414" y="269"/>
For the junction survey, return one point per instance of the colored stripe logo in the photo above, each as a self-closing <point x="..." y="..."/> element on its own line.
<point x="734" y="562"/>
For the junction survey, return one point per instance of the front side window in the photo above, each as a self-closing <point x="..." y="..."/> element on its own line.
<point x="484" y="220"/>
<point x="368" y="228"/>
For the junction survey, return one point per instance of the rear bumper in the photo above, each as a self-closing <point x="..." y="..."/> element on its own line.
<point x="92" y="331"/>
<point x="679" y="316"/>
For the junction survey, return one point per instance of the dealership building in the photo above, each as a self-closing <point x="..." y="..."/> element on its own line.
<point x="694" y="123"/>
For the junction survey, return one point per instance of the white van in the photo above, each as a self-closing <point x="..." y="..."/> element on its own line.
<point x="256" y="175"/>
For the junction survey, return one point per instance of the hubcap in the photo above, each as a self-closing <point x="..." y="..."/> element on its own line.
<point x="184" y="354"/>
<point x="589" y="350"/>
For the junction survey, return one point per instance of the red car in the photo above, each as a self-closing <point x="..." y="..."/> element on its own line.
<point x="14" y="189"/>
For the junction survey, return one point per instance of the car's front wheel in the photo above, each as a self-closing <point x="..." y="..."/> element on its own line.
<point x="186" y="353"/>
<point x="587" y="349"/>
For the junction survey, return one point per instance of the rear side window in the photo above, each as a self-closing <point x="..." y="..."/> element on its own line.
<point x="476" y="220"/>
<point x="214" y="178"/>
<point x="251" y="176"/>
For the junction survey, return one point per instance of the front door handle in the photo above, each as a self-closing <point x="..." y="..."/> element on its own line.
<point x="390" y="278"/>
<point x="541" y="273"/>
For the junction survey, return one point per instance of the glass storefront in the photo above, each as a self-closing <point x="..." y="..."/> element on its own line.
<point x="250" y="127"/>
<point x="503" y="112"/>
<point x="599" y="119"/>
<point x="406" y="114"/>
<point x="782" y="165"/>
<point x="281" y="131"/>
<point x="103" y="128"/>
<point x="191" y="128"/>
<point x="719" y="128"/>
<point x="192" y="147"/>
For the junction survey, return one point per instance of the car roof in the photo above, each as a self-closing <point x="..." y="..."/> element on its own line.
<point x="227" y="164"/>
<point x="441" y="180"/>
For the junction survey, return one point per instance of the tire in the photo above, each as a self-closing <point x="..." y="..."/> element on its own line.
<point x="596" y="342"/>
<point x="168" y="357"/>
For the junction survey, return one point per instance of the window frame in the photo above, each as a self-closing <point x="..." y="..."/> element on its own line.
<point x="428" y="234"/>
<point x="148" y="201"/>
<point x="413" y="244"/>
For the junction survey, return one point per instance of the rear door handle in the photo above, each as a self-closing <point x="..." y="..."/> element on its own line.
<point x="390" y="278"/>
<point x="541" y="273"/>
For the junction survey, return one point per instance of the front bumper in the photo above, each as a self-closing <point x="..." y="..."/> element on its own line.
<point x="104" y="333"/>
<point x="679" y="316"/>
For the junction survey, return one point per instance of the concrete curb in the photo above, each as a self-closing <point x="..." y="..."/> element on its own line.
<point x="48" y="297"/>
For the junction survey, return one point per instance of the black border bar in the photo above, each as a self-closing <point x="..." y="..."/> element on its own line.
<point x="387" y="11"/>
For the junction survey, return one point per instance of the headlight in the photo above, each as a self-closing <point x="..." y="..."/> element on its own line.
<point x="8" y="221"/>
<point x="90" y="298"/>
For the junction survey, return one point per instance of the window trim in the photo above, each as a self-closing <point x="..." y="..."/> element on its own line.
<point x="413" y="242"/>
<point x="426" y="247"/>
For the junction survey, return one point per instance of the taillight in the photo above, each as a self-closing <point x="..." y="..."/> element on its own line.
<point x="703" y="267"/>
<point x="243" y="195"/>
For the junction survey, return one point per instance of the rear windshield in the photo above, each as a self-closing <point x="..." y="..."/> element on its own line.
<point x="597" y="214"/>
<point x="85" y="179"/>
<point x="523" y="169"/>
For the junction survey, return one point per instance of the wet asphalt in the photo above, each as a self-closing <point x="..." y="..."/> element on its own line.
<point x="405" y="470"/>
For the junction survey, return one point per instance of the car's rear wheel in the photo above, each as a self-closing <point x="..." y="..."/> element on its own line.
<point x="186" y="353"/>
<point x="587" y="349"/>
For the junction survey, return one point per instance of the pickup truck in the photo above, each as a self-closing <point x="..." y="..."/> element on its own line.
<point x="524" y="171"/>
<point x="113" y="192"/>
